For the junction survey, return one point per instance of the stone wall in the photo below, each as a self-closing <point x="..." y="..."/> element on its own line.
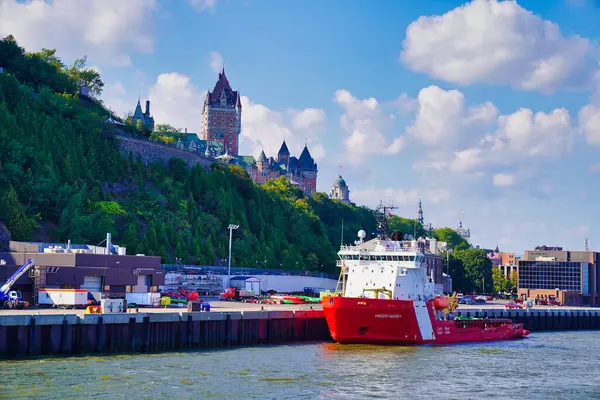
<point x="150" y="151"/>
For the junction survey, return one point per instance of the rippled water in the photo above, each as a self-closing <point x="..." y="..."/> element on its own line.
<point x="560" y="365"/>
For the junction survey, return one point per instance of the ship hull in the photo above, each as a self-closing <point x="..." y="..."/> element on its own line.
<point x="406" y="322"/>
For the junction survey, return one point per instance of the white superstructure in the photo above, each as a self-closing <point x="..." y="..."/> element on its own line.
<point x="386" y="269"/>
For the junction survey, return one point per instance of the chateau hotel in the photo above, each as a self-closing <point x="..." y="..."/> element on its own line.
<point x="219" y="139"/>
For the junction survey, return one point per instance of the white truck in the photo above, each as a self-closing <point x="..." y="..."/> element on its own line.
<point x="143" y="299"/>
<point x="66" y="298"/>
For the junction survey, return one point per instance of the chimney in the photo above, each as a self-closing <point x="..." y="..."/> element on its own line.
<point x="69" y="246"/>
<point x="585" y="245"/>
<point x="108" y="243"/>
<point x="148" y="107"/>
<point x="185" y="130"/>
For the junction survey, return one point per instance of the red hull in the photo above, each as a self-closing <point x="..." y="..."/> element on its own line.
<point x="395" y="322"/>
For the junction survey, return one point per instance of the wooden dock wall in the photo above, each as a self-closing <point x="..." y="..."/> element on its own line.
<point x="45" y="335"/>
<point x="544" y="319"/>
<point x="70" y="334"/>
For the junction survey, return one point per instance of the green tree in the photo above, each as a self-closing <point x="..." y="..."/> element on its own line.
<point x="450" y="236"/>
<point x="477" y="269"/>
<point x="501" y="283"/>
<point x="514" y="280"/>
<point x="85" y="76"/>
<point x="13" y="213"/>
<point x="406" y="226"/>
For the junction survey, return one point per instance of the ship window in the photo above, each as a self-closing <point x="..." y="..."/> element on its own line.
<point x="378" y="258"/>
<point x="394" y="258"/>
<point x="355" y="257"/>
<point x="372" y="258"/>
<point x="389" y="258"/>
<point x="412" y="258"/>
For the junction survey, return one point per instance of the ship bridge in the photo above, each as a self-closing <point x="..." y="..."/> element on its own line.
<point x="385" y="269"/>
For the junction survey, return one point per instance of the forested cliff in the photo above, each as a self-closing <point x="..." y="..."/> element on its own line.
<point x="62" y="177"/>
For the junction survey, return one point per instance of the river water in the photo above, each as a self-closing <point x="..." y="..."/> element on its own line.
<point x="549" y="365"/>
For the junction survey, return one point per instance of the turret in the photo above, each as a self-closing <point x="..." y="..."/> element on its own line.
<point x="147" y="108"/>
<point x="284" y="154"/>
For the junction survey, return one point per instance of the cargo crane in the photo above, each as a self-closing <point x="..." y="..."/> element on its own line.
<point x="14" y="298"/>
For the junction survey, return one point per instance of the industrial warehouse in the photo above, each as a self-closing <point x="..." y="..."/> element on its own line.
<point x="95" y="269"/>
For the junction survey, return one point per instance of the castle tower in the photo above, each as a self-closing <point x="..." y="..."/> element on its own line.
<point x="308" y="168"/>
<point x="146" y="119"/>
<point x="464" y="233"/>
<point x="263" y="162"/>
<point x="222" y="115"/>
<point x="283" y="156"/>
<point x="340" y="191"/>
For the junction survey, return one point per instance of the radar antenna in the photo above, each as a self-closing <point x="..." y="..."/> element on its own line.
<point x="382" y="213"/>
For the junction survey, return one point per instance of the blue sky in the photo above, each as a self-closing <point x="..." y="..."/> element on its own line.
<point x="488" y="107"/>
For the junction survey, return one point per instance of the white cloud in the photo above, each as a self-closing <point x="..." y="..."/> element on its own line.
<point x="371" y="196"/>
<point x="406" y="104"/>
<point x="589" y="123"/>
<point x="443" y="120"/>
<point x="498" y="42"/>
<point x="204" y="5"/>
<point x="176" y="101"/>
<point x="309" y="118"/>
<point x="107" y="31"/>
<point x="467" y="160"/>
<point x="266" y="129"/>
<point x="539" y="134"/>
<point x="216" y="61"/>
<point x="467" y="139"/>
<point x="504" y="180"/>
<point x="368" y="125"/>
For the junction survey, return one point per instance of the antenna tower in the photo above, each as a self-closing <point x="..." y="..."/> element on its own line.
<point x="382" y="213"/>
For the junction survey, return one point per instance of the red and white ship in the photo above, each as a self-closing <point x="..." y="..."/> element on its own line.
<point x="388" y="298"/>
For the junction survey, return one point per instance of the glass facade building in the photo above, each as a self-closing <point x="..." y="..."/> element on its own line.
<point x="551" y="275"/>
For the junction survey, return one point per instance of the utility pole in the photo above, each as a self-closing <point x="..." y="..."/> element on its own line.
<point x="342" y="243"/>
<point x="231" y="227"/>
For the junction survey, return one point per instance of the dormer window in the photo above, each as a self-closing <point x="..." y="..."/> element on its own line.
<point x="223" y="98"/>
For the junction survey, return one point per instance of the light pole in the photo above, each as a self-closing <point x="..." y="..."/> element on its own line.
<point x="231" y="228"/>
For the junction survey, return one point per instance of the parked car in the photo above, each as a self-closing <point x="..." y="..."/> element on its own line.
<point x="554" y="302"/>
<point x="467" y="301"/>
<point x="512" y="305"/>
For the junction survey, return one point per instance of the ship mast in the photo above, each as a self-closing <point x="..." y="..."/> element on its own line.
<point x="382" y="213"/>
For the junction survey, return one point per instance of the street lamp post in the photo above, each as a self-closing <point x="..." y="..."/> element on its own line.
<point x="231" y="228"/>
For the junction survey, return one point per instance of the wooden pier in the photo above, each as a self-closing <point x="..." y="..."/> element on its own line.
<point x="69" y="334"/>
<point x="23" y="335"/>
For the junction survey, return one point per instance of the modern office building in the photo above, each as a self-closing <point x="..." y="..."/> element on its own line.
<point x="572" y="277"/>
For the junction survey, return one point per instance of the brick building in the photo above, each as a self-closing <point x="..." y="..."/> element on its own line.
<point x="301" y="171"/>
<point x="222" y="116"/>
<point x="573" y="277"/>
